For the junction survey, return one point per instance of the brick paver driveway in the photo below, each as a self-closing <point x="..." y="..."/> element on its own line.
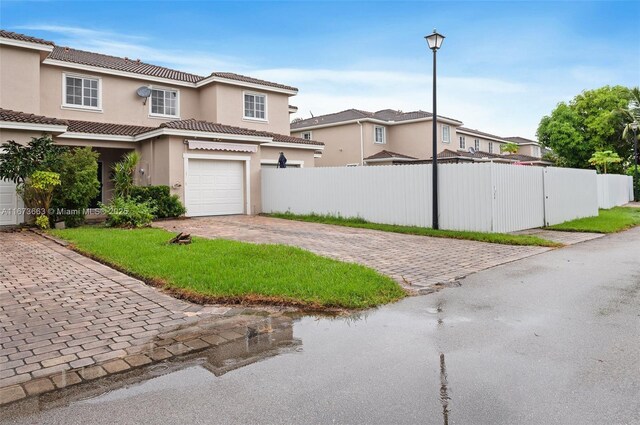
<point x="65" y="318"/>
<point x="417" y="262"/>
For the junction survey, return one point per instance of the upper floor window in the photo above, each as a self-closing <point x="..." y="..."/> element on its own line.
<point x="490" y="147"/>
<point x="306" y="135"/>
<point x="81" y="92"/>
<point x="164" y="102"/>
<point x="255" y="106"/>
<point x="379" y="134"/>
<point x="462" y="142"/>
<point x="446" y="134"/>
<point x="476" y="144"/>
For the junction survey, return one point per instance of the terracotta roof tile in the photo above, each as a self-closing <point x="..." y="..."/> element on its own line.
<point x="15" y="116"/>
<point x="245" y="79"/>
<point x="22" y="37"/>
<point x="519" y="140"/>
<point x="384" y="154"/>
<point x="388" y="115"/>
<point x="106" y="128"/>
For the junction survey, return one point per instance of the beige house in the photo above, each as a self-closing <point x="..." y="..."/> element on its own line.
<point x="207" y="137"/>
<point x="355" y="137"/>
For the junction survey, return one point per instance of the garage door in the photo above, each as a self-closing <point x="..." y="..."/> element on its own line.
<point x="8" y="203"/>
<point x="214" y="187"/>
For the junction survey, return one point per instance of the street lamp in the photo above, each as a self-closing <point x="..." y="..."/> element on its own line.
<point x="636" y="191"/>
<point x="435" y="41"/>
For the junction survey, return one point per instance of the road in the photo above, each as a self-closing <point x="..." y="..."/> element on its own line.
<point x="551" y="339"/>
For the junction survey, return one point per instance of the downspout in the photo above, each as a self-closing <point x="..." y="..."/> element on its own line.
<point x="361" y="143"/>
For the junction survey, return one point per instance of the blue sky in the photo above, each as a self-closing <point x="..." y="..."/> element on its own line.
<point x="502" y="66"/>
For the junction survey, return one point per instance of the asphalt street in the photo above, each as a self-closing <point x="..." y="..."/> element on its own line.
<point x="551" y="339"/>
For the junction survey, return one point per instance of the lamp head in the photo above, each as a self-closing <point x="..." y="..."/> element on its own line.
<point x="434" y="40"/>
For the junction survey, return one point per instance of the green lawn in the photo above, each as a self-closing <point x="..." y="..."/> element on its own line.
<point x="500" y="238"/>
<point x="607" y="221"/>
<point x="235" y="272"/>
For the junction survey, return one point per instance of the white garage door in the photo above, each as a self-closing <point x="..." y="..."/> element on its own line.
<point x="214" y="187"/>
<point x="8" y="203"/>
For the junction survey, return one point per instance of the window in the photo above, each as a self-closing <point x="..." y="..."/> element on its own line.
<point x="490" y="147"/>
<point x="81" y="92"/>
<point x="164" y="102"/>
<point x="476" y="144"/>
<point x="446" y="134"/>
<point x="378" y="134"/>
<point x="306" y="135"/>
<point x="255" y="106"/>
<point x="462" y="142"/>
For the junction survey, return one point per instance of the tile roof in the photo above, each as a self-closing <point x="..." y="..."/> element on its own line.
<point x="210" y="127"/>
<point x="384" y="154"/>
<point x="480" y="133"/>
<point x="388" y="115"/>
<point x="483" y="155"/>
<point x="106" y="128"/>
<point x="22" y="37"/>
<point x="519" y="140"/>
<point x="15" y="116"/>
<point x="245" y="79"/>
<point x="135" y="66"/>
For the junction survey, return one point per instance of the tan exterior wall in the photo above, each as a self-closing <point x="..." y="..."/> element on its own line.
<point x="229" y="109"/>
<point x="20" y="79"/>
<point x="412" y="139"/>
<point x="19" y="136"/>
<point x="120" y="103"/>
<point x="341" y="144"/>
<point x="484" y="143"/>
<point x="530" y="150"/>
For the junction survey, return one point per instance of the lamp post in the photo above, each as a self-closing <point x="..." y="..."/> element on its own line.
<point x="435" y="41"/>
<point x="636" y="191"/>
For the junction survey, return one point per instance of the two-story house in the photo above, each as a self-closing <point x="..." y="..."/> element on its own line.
<point x="207" y="137"/>
<point x="356" y="137"/>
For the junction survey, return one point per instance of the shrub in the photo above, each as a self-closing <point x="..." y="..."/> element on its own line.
<point x="78" y="169"/>
<point x="37" y="191"/>
<point x="123" y="173"/>
<point x="123" y="212"/>
<point x="42" y="221"/>
<point x="166" y="205"/>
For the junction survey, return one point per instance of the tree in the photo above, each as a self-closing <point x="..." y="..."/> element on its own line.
<point x="78" y="169"/>
<point x="604" y="158"/>
<point x="631" y="113"/>
<point x="588" y="123"/>
<point x="37" y="192"/>
<point x="510" y="148"/>
<point x="18" y="162"/>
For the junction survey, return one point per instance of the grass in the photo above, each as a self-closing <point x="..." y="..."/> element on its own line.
<point x="607" y="221"/>
<point x="235" y="272"/>
<point x="499" y="238"/>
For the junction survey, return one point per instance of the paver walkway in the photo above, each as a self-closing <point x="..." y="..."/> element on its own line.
<point x="567" y="238"/>
<point x="417" y="262"/>
<point x="61" y="312"/>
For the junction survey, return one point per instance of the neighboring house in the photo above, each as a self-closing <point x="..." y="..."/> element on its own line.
<point x="205" y="137"/>
<point x="528" y="146"/>
<point x="448" y="156"/>
<point x="356" y="137"/>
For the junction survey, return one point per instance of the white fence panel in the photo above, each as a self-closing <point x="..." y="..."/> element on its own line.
<point x="383" y="194"/>
<point x="569" y="194"/>
<point x="465" y="197"/>
<point x="518" y="197"/>
<point x="614" y="190"/>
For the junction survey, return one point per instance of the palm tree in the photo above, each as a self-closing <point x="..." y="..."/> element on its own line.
<point x="510" y="148"/>
<point x="632" y="113"/>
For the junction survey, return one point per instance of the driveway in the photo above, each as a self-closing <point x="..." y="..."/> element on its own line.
<point x="416" y="262"/>
<point x="65" y="318"/>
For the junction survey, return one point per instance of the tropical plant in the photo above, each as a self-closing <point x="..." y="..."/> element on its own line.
<point x="123" y="175"/>
<point x="166" y="205"/>
<point x="631" y="113"/>
<point x="123" y="212"/>
<point x="78" y="169"/>
<point x="18" y="162"/>
<point x="604" y="158"/>
<point x="37" y="192"/>
<point x="510" y="148"/>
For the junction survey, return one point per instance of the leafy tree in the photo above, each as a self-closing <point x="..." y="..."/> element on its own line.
<point x="37" y="191"/>
<point x="78" y="169"/>
<point x="587" y="124"/>
<point x="123" y="174"/>
<point x="510" y="148"/>
<point x="604" y="158"/>
<point x="18" y="162"/>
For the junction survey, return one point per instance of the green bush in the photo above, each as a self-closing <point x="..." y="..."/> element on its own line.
<point x="42" y="221"/>
<point x="123" y="212"/>
<point x="78" y="169"/>
<point x="166" y="205"/>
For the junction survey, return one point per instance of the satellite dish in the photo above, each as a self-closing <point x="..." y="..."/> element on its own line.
<point x="144" y="92"/>
<point x="472" y="150"/>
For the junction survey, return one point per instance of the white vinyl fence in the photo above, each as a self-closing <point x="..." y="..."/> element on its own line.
<point x="484" y="197"/>
<point x="614" y="190"/>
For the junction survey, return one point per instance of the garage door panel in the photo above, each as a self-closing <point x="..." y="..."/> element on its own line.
<point x="8" y="203"/>
<point x="215" y="187"/>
